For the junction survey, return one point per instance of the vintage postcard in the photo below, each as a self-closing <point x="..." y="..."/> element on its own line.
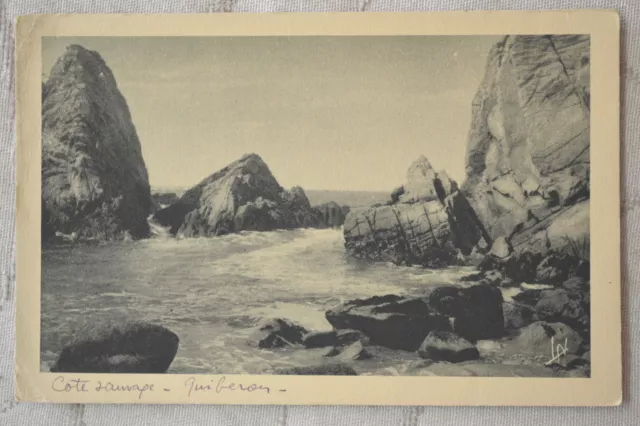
<point x="389" y="208"/>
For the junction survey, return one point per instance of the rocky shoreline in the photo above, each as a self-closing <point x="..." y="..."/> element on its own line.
<point x="521" y="217"/>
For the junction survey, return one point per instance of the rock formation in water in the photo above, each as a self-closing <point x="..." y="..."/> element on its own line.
<point x="163" y="199"/>
<point x="242" y="196"/>
<point x="528" y="149"/>
<point x="333" y="215"/>
<point x="94" y="180"/>
<point x="425" y="221"/>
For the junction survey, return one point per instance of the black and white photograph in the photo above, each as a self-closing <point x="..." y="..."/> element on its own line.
<point x="397" y="205"/>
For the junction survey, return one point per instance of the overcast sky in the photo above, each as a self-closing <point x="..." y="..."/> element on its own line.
<point x="323" y="112"/>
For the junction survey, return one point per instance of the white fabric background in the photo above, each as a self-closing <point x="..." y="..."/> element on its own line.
<point x="12" y="413"/>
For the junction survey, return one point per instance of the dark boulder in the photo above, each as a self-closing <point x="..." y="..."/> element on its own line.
<point x="516" y="316"/>
<point x="521" y="267"/>
<point x="347" y="337"/>
<point x="528" y="297"/>
<point x="576" y="284"/>
<point x="477" y="310"/>
<point x="133" y="347"/>
<point x="278" y="333"/>
<point x="391" y="321"/>
<point x="320" y="339"/>
<point x="447" y="346"/>
<point x="319" y="370"/>
<point x="560" y="305"/>
<point x="556" y="268"/>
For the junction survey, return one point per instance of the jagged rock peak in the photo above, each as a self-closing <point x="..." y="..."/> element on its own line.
<point x="425" y="184"/>
<point x="241" y="196"/>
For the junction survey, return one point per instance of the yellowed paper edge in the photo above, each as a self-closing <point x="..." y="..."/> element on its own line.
<point x="603" y="388"/>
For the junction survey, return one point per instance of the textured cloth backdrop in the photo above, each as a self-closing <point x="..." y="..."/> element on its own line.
<point x="12" y="413"/>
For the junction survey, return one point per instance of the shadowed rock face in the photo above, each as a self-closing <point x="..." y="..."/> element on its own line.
<point x="94" y="180"/>
<point x="242" y="196"/>
<point x="528" y="149"/>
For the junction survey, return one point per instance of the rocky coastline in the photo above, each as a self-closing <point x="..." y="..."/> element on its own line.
<point x="521" y="218"/>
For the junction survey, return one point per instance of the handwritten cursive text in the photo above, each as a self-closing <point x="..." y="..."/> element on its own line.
<point x="220" y="385"/>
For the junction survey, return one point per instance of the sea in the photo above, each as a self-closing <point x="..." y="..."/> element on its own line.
<point x="214" y="292"/>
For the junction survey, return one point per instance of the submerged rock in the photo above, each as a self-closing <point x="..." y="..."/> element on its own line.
<point x="447" y="346"/>
<point x="94" y="179"/>
<point x="278" y="333"/>
<point x="133" y="347"/>
<point x="242" y="196"/>
<point x="390" y="321"/>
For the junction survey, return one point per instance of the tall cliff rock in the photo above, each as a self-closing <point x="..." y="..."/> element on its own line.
<point x="94" y="180"/>
<point x="242" y="196"/>
<point x="528" y="149"/>
<point x="423" y="223"/>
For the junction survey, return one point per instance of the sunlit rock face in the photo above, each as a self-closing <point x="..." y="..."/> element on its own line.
<point x="243" y="196"/>
<point x="528" y="149"/>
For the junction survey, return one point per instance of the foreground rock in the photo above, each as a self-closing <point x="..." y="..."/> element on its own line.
<point x="538" y="338"/>
<point x="244" y="196"/>
<point x="335" y="338"/>
<point x="569" y="307"/>
<point x="476" y="310"/>
<point x="319" y="370"/>
<point x="390" y="321"/>
<point x="278" y="333"/>
<point x="447" y="346"/>
<point x="94" y="180"/>
<point x="353" y="352"/>
<point x="134" y="347"/>
<point x="426" y="222"/>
